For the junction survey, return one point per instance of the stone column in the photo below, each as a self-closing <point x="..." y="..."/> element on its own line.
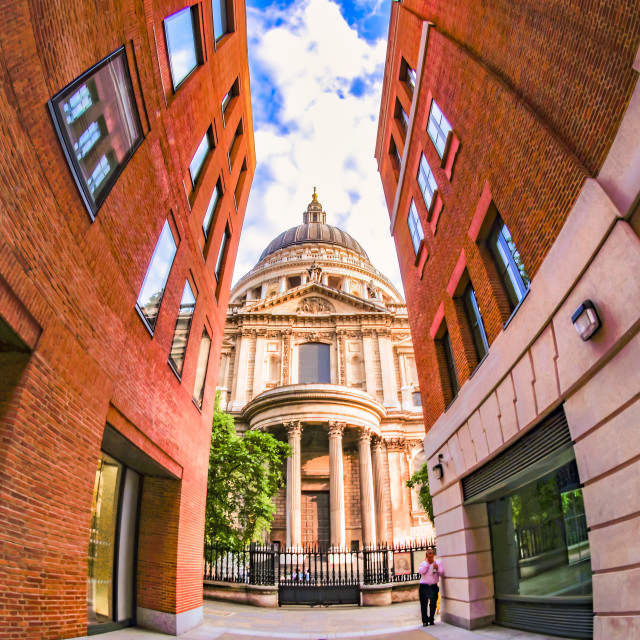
<point x="294" y="483"/>
<point x="283" y="284"/>
<point x="304" y="277"/>
<point x="336" y="485"/>
<point x="366" y="489"/>
<point x="346" y="284"/>
<point x="258" y="371"/>
<point x="369" y="363"/>
<point x="389" y="381"/>
<point x="378" y="485"/>
<point x="263" y="291"/>
<point x="324" y="279"/>
<point x="241" y="366"/>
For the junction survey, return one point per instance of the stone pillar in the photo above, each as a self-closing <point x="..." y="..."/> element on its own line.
<point x="263" y="291"/>
<point x="258" y="371"/>
<point x="365" y="291"/>
<point x="283" y="284"/>
<point x="294" y="483"/>
<point x="366" y="489"/>
<point x="389" y="381"/>
<point x="369" y="362"/>
<point x="346" y="284"/>
<point x="378" y="485"/>
<point x="249" y="294"/>
<point x="325" y="279"/>
<point x="241" y="367"/>
<point x="304" y="276"/>
<point x="336" y="485"/>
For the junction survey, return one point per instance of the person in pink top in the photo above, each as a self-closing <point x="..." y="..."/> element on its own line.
<point x="430" y="571"/>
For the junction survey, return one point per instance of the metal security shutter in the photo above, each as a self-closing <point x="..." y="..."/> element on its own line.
<point x="550" y="436"/>
<point x="554" y="617"/>
<point x="314" y="363"/>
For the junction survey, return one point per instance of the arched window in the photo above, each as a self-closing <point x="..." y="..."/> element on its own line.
<point x="314" y="364"/>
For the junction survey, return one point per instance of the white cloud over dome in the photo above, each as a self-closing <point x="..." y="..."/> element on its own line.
<point x="316" y="95"/>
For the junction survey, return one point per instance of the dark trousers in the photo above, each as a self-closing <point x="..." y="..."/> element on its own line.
<point x="428" y="601"/>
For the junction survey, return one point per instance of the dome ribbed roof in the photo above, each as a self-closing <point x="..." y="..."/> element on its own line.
<point x="314" y="232"/>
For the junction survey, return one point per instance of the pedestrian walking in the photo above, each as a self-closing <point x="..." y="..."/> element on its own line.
<point x="430" y="571"/>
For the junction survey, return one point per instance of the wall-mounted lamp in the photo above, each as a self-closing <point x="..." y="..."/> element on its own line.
<point x="586" y="320"/>
<point x="438" y="469"/>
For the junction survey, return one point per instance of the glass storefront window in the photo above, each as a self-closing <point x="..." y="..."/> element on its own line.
<point x="104" y="513"/>
<point x="539" y="538"/>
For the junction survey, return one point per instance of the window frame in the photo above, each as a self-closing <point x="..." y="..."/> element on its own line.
<point x="172" y="363"/>
<point x="323" y="357"/>
<point x="222" y="251"/>
<point x="151" y="327"/>
<point x="195" y="175"/>
<point x="440" y="130"/>
<point x="421" y="172"/>
<point x="199" y="401"/>
<point x="450" y="362"/>
<point x="211" y="210"/>
<point x="413" y="213"/>
<point x="229" y="23"/>
<point x="475" y="320"/>
<point x="197" y="44"/>
<point x="92" y="203"/>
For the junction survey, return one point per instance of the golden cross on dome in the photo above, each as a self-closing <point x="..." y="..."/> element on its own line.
<point x="315" y="195"/>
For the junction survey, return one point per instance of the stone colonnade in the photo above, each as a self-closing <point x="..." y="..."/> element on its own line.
<point x="373" y="508"/>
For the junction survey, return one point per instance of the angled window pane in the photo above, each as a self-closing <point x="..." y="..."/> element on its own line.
<point x="201" y="371"/>
<point x="183" y="326"/>
<point x="438" y="128"/>
<point x="211" y="208"/>
<point x="415" y="227"/>
<point x="220" y="23"/>
<point x="155" y="281"/>
<point x="427" y="182"/>
<point x="199" y="157"/>
<point x="221" y="253"/>
<point x="181" y="44"/>
<point x="314" y="363"/>
<point x="474" y="318"/>
<point x="96" y="118"/>
<point x="411" y="78"/>
<point x="452" y="374"/>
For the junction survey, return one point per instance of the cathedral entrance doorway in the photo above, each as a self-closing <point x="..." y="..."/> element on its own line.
<point x="315" y="518"/>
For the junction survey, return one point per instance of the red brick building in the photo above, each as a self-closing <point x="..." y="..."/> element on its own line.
<point x="508" y="151"/>
<point x="126" y="163"/>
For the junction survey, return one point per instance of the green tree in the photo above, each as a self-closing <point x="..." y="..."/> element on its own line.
<point x="245" y="473"/>
<point x="421" y="478"/>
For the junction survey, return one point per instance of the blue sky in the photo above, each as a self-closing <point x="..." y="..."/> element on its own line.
<point x="316" y="76"/>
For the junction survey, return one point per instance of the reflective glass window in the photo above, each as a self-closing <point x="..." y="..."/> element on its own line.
<point x="438" y="128"/>
<point x="97" y="121"/>
<point x="221" y="254"/>
<point x="427" y="182"/>
<point x="211" y="209"/>
<point x="197" y="162"/>
<point x="415" y="227"/>
<point x="474" y="317"/>
<point x="183" y="326"/>
<point x="220" y="22"/>
<point x="156" y="278"/>
<point x="451" y="372"/>
<point x="181" y="45"/>
<point x="201" y="371"/>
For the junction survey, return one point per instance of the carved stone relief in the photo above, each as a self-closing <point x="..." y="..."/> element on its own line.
<point x="314" y="305"/>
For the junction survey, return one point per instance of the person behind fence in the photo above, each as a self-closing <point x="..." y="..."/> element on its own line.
<point x="430" y="571"/>
<point x="307" y="577"/>
<point x="294" y="574"/>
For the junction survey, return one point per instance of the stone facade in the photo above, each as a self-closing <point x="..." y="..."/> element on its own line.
<point x="532" y="141"/>
<point x="84" y="379"/>
<point x="357" y="433"/>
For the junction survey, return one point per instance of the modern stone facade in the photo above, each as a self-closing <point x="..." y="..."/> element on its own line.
<point x="542" y="131"/>
<point x="106" y="401"/>
<point x="354" y="420"/>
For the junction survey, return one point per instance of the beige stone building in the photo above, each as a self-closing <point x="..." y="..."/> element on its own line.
<point x="317" y="350"/>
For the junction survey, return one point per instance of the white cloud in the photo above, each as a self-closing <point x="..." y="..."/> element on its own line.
<point x="326" y="83"/>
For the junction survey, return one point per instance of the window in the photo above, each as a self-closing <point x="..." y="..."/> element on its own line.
<point x="513" y="275"/>
<point x="181" y="332"/>
<point x="314" y="363"/>
<point x="395" y="154"/>
<point x="417" y="399"/>
<point x="415" y="227"/>
<point x="233" y="147"/>
<point x="474" y="318"/>
<point x="408" y="75"/>
<point x="211" y="209"/>
<point x="201" y="370"/>
<point x="220" y="21"/>
<point x="427" y="182"/>
<point x="438" y="128"/>
<point x="227" y="98"/>
<point x="98" y="148"/>
<point x="156" y="278"/>
<point x="182" y="44"/>
<point x="197" y="162"/>
<point x="221" y="254"/>
<point x="402" y="116"/>
<point x="242" y="177"/>
<point x="451" y="375"/>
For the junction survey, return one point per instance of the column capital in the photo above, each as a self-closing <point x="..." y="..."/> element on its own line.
<point x="294" y="428"/>
<point x="336" y="429"/>
<point x="395" y="444"/>
<point x="364" y="434"/>
<point x="376" y="441"/>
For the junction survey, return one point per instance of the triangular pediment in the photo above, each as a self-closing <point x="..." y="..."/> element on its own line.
<point x="314" y="298"/>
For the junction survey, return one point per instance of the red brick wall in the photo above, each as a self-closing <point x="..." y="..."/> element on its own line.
<point x="78" y="281"/>
<point x="534" y="95"/>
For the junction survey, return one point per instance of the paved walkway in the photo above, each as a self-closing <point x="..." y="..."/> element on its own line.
<point x="230" y="621"/>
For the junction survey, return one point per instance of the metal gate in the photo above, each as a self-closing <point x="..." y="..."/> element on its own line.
<point x="319" y="576"/>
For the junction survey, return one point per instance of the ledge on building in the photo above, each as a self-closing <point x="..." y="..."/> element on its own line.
<point x="256" y="595"/>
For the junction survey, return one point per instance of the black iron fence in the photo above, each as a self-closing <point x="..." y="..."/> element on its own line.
<point x="315" y="567"/>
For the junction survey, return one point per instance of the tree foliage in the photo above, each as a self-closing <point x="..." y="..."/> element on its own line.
<point x="421" y="478"/>
<point x="245" y="473"/>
